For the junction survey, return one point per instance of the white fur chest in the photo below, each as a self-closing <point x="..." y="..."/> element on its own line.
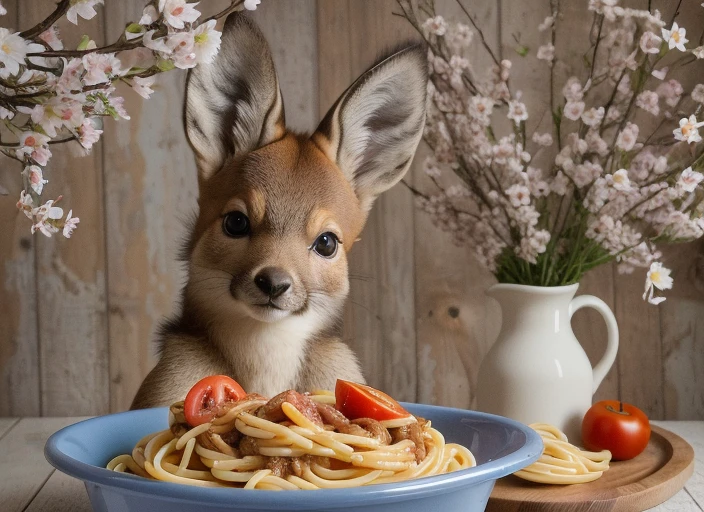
<point x="267" y="357"/>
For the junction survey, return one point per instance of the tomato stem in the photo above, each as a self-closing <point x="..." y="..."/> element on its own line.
<point x="620" y="410"/>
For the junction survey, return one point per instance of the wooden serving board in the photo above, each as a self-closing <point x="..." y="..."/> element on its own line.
<point x="633" y="485"/>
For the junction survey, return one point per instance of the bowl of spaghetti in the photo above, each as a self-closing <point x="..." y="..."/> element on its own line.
<point x="293" y="452"/>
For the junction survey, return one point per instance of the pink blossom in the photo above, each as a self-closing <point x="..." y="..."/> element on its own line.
<point x="648" y="101"/>
<point x="627" y="138"/>
<point x="586" y="173"/>
<point x="142" y="86"/>
<point x="699" y="52"/>
<point x="517" y="111"/>
<point x="572" y="91"/>
<point x="44" y="215"/>
<point x="436" y="26"/>
<point x="689" y="180"/>
<point x="480" y="108"/>
<point x="619" y="180"/>
<point x="650" y="43"/>
<point x="559" y="184"/>
<point x="88" y="135"/>
<point x="118" y="103"/>
<point x="34" y="145"/>
<point x="671" y="91"/>
<point x="573" y="110"/>
<point x="100" y="67"/>
<point x="70" y="79"/>
<point x="70" y="224"/>
<point x="518" y="195"/>
<point x="182" y="46"/>
<point x="698" y="93"/>
<point x="546" y="52"/>
<point x="158" y="45"/>
<point x="542" y="139"/>
<point x="51" y="37"/>
<point x="178" y="12"/>
<point x="36" y="178"/>
<point x="596" y="144"/>
<point x="593" y="116"/>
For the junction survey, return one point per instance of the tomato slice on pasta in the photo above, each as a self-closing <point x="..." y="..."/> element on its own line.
<point x="207" y="395"/>
<point x="359" y="401"/>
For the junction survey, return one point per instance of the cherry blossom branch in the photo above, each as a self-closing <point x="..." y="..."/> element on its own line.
<point x="42" y="27"/>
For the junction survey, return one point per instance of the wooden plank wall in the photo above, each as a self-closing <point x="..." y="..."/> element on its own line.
<point x="78" y="315"/>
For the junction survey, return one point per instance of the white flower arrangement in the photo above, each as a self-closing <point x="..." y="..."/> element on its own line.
<point x="619" y="173"/>
<point x="51" y="95"/>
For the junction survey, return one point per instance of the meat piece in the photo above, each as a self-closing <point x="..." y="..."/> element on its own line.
<point x="280" y="466"/>
<point x="232" y="437"/>
<point x="248" y="446"/>
<point x="414" y="432"/>
<point x="272" y="409"/>
<point x="376" y="429"/>
<point x="332" y="416"/>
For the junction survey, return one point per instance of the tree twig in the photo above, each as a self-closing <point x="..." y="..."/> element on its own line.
<point x="39" y="28"/>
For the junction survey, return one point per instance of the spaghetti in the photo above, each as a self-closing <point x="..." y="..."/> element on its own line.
<point x="562" y="462"/>
<point x="238" y="448"/>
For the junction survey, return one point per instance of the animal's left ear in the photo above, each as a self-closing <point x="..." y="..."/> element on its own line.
<point x="372" y="131"/>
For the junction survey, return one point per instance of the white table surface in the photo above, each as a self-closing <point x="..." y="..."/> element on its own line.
<point x="28" y="483"/>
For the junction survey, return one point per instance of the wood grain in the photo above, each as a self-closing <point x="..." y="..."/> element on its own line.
<point x="25" y="442"/>
<point x="694" y="433"/>
<point x="71" y="273"/>
<point x="640" y="483"/>
<point x="379" y="316"/>
<point x="19" y="348"/>
<point x="61" y="492"/>
<point x="150" y="173"/>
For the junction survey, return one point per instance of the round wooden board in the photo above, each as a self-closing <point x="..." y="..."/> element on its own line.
<point x="632" y="485"/>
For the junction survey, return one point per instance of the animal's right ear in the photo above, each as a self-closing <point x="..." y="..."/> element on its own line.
<point x="233" y="104"/>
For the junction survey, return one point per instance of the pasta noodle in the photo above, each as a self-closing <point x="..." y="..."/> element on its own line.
<point x="317" y="457"/>
<point x="562" y="462"/>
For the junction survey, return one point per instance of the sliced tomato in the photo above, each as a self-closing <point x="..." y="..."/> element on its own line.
<point x="207" y="395"/>
<point x="359" y="401"/>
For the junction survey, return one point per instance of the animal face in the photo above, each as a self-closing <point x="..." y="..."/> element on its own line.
<point x="276" y="225"/>
<point x="278" y="212"/>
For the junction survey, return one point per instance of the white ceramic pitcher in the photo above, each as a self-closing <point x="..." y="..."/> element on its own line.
<point x="537" y="371"/>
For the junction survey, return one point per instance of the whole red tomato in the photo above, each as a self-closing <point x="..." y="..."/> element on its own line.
<point x="621" y="428"/>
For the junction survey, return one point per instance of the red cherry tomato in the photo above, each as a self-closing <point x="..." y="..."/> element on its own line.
<point x="621" y="428"/>
<point x="360" y="401"/>
<point x="204" y="398"/>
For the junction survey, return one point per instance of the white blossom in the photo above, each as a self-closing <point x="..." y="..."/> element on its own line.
<point x="83" y="8"/>
<point x="546" y="24"/>
<point x="206" y="42"/>
<point x="36" y="178"/>
<point x="657" y="277"/>
<point x="688" y="130"/>
<point x="699" y="52"/>
<point x="542" y="139"/>
<point x="627" y="138"/>
<point x="675" y="37"/>
<point x="251" y="5"/>
<point x="573" y="110"/>
<point x="593" y="116"/>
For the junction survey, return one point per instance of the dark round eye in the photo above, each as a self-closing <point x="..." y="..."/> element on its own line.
<point x="326" y="245"/>
<point x="236" y="224"/>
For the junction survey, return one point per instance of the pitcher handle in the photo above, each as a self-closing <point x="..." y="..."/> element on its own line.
<point x="607" y="360"/>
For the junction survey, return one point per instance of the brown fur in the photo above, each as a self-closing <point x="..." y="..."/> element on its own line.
<point x="292" y="188"/>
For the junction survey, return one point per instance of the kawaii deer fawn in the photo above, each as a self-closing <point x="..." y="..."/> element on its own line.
<point x="278" y="213"/>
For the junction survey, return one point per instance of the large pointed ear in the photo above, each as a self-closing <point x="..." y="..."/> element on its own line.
<point x="233" y="104"/>
<point x="372" y="131"/>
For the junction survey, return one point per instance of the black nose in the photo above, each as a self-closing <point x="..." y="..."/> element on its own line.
<point x="273" y="281"/>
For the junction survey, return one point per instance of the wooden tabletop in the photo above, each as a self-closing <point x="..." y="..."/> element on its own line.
<point x="28" y="483"/>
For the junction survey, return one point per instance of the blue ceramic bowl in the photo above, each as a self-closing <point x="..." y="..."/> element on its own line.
<point x="501" y="446"/>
